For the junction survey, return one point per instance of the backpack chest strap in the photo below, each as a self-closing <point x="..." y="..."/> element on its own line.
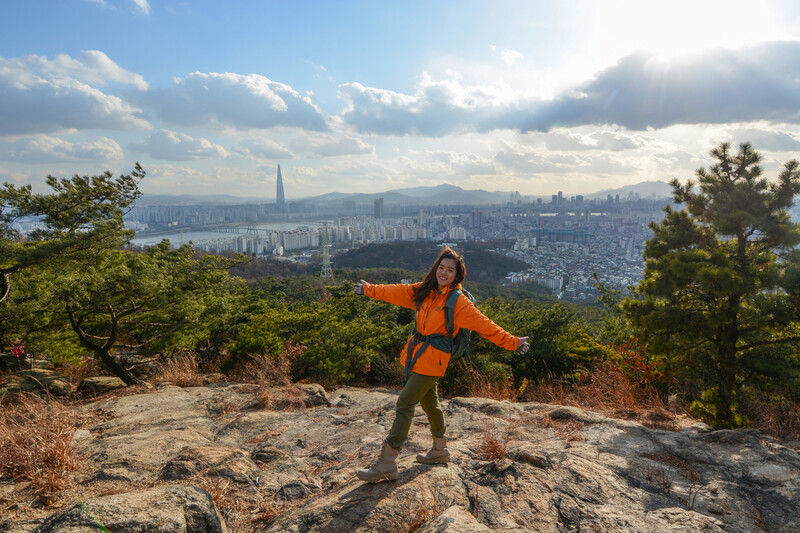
<point x="437" y="340"/>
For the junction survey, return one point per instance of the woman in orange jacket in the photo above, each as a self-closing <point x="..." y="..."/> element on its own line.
<point x="428" y="362"/>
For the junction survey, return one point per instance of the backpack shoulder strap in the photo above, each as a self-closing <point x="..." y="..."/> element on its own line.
<point x="449" y="310"/>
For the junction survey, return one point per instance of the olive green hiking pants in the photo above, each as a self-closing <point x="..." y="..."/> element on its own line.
<point x="421" y="390"/>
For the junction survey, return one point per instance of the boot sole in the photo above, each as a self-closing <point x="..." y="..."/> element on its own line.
<point x="383" y="477"/>
<point x="434" y="461"/>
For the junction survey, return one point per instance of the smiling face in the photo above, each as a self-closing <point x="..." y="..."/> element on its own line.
<point x="446" y="272"/>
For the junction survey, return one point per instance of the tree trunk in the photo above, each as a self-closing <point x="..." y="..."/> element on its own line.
<point x="116" y="368"/>
<point x="727" y="341"/>
<point x="5" y="286"/>
<point x="725" y="388"/>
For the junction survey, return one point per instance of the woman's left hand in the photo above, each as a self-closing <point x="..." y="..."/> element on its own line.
<point x="523" y="345"/>
<point x="359" y="288"/>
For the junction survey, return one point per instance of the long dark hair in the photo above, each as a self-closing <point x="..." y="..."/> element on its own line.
<point x="431" y="284"/>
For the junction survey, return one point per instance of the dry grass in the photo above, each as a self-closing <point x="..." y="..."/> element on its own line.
<point x="606" y="388"/>
<point x="183" y="370"/>
<point x="76" y="373"/>
<point x="493" y="446"/>
<point x="268" y="513"/>
<point x="481" y="386"/>
<point x="228" y="500"/>
<point x="269" y="369"/>
<point x="424" y="512"/>
<point x="229" y="407"/>
<point x="36" y="443"/>
<point x="567" y="430"/>
<point x="244" y="511"/>
<point x="778" y="417"/>
<point x="421" y="515"/>
<point x="274" y="379"/>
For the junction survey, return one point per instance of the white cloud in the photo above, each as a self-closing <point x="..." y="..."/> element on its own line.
<point x="329" y="146"/>
<point x="92" y="67"/>
<point x="509" y="57"/>
<point x="143" y="6"/>
<point x="174" y="146"/>
<point x="177" y="179"/>
<point x="438" y="108"/>
<point x="614" y="141"/>
<point x="233" y="101"/>
<point x="464" y="164"/>
<point x="520" y="159"/>
<point x="762" y="138"/>
<point x="758" y="83"/>
<point x="47" y="149"/>
<point x="38" y="95"/>
<point x="262" y="149"/>
<point x="720" y="86"/>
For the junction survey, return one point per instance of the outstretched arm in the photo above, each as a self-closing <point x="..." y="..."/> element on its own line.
<point x="397" y="294"/>
<point x="468" y="316"/>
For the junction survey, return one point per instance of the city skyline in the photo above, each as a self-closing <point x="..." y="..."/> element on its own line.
<point x="536" y="97"/>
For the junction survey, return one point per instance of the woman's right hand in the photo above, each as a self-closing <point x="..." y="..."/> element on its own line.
<point x="361" y="286"/>
<point x="523" y="345"/>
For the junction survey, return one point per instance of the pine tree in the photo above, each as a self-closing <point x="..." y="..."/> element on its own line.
<point x="720" y="286"/>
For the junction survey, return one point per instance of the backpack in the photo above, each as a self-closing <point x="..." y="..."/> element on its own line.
<point x="460" y="343"/>
<point x="458" y="346"/>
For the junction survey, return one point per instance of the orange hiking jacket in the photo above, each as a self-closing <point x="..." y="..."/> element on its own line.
<point x="430" y="320"/>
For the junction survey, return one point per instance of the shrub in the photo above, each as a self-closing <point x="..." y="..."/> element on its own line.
<point x="622" y="380"/>
<point x="774" y="414"/>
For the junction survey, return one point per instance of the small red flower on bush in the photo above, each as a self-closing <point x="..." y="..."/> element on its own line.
<point x="18" y="350"/>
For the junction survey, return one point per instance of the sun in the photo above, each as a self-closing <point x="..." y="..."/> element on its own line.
<point x="682" y="27"/>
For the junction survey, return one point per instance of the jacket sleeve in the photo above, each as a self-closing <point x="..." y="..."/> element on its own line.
<point x="466" y="315"/>
<point x="401" y="294"/>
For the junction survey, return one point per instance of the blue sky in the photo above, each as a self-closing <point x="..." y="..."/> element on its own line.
<point x="529" y="96"/>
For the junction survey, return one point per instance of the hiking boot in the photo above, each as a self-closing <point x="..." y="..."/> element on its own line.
<point x="384" y="469"/>
<point x="438" y="454"/>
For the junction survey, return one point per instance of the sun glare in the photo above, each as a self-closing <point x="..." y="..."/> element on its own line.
<point x="682" y="27"/>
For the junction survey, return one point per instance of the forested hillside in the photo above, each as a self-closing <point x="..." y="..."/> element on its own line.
<point x="482" y="263"/>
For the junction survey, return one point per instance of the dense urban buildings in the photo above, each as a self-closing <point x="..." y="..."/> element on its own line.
<point x="569" y="243"/>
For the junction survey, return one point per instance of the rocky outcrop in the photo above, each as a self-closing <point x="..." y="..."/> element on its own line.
<point x="515" y="467"/>
<point x="160" y="510"/>
<point x="100" y="384"/>
<point x="36" y="381"/>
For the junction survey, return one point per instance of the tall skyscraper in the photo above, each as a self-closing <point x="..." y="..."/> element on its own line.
<point x="281" y="198"/>
<point x="378" y="208"/>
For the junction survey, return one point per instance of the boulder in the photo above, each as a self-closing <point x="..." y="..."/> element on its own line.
<point x="159" y="510"/>
<point x="36" y="381"/>
<point x="11" y="363"/>
<point x="314" y="395"/>
<point x="100" y="384"/>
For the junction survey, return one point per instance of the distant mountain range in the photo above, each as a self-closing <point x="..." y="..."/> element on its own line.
<point x="437" y="195"/>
